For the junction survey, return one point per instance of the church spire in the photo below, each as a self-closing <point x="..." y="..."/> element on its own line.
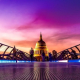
<point x="40" y="36"/>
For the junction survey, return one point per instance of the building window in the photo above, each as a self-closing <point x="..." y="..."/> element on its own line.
<point x="41" y="51"/>
<point x="37" y="52"/>
<point x="45" y="52"/>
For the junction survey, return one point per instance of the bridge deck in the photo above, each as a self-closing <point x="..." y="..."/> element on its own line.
<point x="40" y="71"/>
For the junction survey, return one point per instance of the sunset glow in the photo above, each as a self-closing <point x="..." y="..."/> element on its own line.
<point x="21" y="22"/>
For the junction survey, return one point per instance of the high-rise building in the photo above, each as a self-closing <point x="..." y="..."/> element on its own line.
<point x="40" y="48"/>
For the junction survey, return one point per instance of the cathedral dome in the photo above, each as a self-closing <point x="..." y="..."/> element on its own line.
<point x="40" y="42"/>
<point x="40" y="48"/>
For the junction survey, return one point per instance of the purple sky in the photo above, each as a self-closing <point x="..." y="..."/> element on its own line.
<point x="21" y="22"/>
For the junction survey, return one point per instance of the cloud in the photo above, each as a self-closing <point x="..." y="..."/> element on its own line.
<point x="56" y="41"/>
<point x="58" y="20"/>
<point x="65" y="36"/>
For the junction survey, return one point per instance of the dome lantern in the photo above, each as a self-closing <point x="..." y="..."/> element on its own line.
<point x="40" y="36"/>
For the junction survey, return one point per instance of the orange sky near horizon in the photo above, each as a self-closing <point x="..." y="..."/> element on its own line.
<point x="22" y="21"/>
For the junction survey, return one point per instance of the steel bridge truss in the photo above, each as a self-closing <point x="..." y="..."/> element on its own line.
<point x="11" y="53"/>
<point x="70" y="53"/>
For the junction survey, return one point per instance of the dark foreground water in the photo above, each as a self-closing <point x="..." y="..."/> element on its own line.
<point x="40" y="71"/>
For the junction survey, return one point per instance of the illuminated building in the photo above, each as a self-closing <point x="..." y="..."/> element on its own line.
<point x="40" y="48"/>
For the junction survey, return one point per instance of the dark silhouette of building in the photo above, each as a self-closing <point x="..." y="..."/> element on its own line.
<point x="50" y="56"/>
<point x="43" y="56"/>
<point x="54" y="52"/>
<point x="31" y="54"/>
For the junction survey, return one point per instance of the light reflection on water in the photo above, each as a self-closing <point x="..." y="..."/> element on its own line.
<point x="39" y="71"/>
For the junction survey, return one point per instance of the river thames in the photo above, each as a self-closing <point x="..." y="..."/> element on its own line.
<point x="40" y="71"/>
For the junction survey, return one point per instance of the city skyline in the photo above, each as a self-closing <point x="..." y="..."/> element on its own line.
<point x="21" y="22"/>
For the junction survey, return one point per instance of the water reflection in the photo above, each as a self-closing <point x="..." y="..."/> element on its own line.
<point x="39" y="71"/>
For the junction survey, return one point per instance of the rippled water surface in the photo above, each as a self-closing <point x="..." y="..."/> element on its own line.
<point x="40" y="71"/>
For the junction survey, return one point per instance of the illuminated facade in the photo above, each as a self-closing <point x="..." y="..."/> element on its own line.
<point x="40" y="48"/>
